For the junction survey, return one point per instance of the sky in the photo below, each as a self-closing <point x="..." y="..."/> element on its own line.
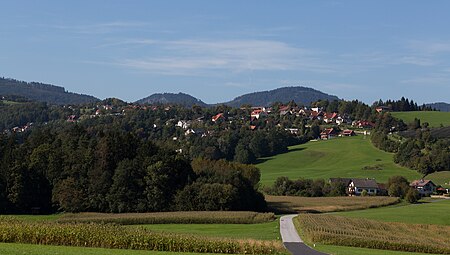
<point x="217" y="50"/>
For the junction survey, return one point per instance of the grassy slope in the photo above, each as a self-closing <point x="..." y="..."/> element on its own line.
<point x="340" y="157"/>
<point x="32" y="249"/>
<point x="435" y="119"/>
<point x="440" y="178"/>
<point x="262" y="231"/>
<point x="426" y="213"/>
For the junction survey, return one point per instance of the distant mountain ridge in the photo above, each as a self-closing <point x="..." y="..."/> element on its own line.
<point x="441" y="106"/>
<point x="172" y="98"/>
<point x="300" y="95"/>
<point x="42" y="92"/>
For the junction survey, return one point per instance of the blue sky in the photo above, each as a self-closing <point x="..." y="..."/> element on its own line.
<point x="217" y="50"/>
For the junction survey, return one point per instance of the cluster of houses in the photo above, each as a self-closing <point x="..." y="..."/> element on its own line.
<point x="18" y="129"/>
<point x="356" y="186"/>
<point x="314" y="113"/>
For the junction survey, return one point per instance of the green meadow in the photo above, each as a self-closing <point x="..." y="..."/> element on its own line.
<point x="260" y="231"/>
<point x="440" y="178"/>
<point x="436" y="212"/>
<point x="353" y="157"/>
<point x="434" y="118"/>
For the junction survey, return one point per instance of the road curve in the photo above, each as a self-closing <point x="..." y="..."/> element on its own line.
<point x="291" y="240"/>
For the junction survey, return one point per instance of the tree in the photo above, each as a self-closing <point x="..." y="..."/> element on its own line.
<point x="397" y="186"/>
<point x="412" y="196"/>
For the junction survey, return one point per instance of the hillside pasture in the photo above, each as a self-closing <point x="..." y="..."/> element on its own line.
<point x="345" y="231"/>
<point x="440" y="178"/>
<point x="434" y="118"/>
<point x="436" y="212"/>
<point x="293" y="204"/>
<point x="352" y="157"/>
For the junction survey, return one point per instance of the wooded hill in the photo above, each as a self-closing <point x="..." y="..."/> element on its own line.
<point x="42" y="92"/>
<point x="172" y="98"/>
<point x="300" y="95"/>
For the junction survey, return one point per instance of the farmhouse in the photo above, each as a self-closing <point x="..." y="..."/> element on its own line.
<point x="328" y="133"/>
<point x="348" y="132"/>
<point x="424" y="187"/>
<point x="357" y="186"/>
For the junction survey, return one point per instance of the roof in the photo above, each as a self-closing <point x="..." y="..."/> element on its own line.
<point x="348" y="131"/>
<point x="328" y="131"/>
<point x="365" y="183"/>
<point x="421" y="183"/>
<point x="218" y="116"/>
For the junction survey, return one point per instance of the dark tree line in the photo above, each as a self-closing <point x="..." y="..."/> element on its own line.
<point x="284" y="186"/>
<point x="402" y="105"/>
<point x="72" y="168"/>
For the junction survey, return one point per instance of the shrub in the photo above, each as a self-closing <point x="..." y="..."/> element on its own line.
<point x="412" y="196"/>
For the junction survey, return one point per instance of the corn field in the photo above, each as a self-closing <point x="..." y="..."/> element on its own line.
<point x="119" y="237"/>
<point x="203" y="217"/>
<point x="338" y="230"/>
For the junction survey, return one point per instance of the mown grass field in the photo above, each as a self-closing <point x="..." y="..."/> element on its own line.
<point x="34" y="249"/>
<point x="425" y="213"/>
<point x="440" y="178"/>
<point x="340" y="157"/>
<point x="261" y="231"/>
<point x="435" y="119"/>
<point x="294" y="204"/>
<point x="364" y="233"/>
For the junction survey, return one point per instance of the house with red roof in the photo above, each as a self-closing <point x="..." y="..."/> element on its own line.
<point x="258" y="114"/>
<point x="424" y="187"/>
<point x="348" y="132"/>
<point x="328" y="133"/>
<point x="218" y="117"/>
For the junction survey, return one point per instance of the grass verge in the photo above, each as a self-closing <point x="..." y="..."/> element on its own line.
<point x="345" y="250"/>
<point x="34" y="249"/>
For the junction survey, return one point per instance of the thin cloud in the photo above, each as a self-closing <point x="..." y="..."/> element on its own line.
<point x="191" y="57"/>
<point x="429" y="47"/>
<point x="99" y="28"/>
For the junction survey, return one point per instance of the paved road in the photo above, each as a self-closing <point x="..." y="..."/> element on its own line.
<point x="292" y="240"/>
